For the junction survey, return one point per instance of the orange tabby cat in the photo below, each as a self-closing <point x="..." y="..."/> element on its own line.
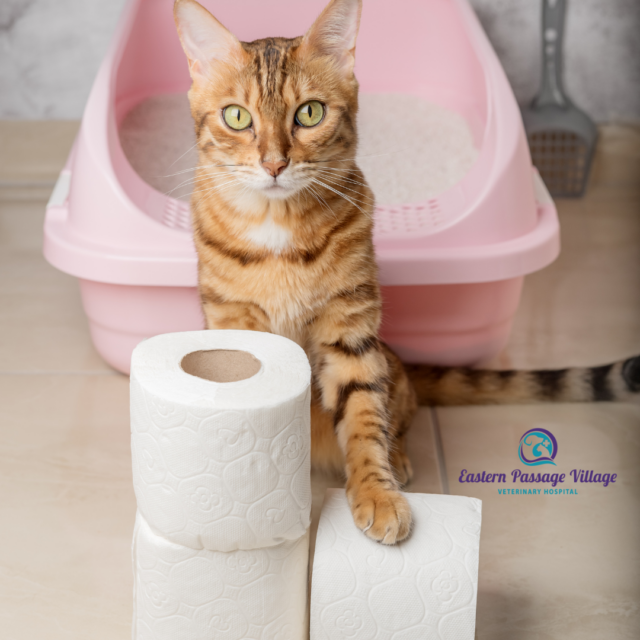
<point x="283" y="228"/>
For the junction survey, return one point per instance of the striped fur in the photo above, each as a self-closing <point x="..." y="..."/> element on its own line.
<point x="293" y="254"/>
<point x="463" y="386"/>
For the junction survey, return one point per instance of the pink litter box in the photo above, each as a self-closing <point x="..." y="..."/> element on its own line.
<point x="451" y="264"/>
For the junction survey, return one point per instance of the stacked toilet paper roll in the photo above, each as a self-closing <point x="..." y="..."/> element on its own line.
<point x="425" y="587"/>
<point x="220" y="441"/>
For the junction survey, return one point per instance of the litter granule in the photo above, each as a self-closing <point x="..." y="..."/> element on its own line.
<point x="409" y="149"/>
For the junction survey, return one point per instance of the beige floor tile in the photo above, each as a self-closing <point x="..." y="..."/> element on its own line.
<point x="553" y="567"/>
<point x="584" y="309"/>
<point x="67" y="508"/>
<point x="44" y="327"/>
<point x="423" y="453"/>
<point x="616" y="166"/>
<point x="33" y="151"/>
<point x="566" y="566"/>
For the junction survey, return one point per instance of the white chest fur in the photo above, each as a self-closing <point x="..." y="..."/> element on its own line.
<point x="269" y="235"/>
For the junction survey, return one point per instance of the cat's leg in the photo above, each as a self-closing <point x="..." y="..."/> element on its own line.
<point x="222" y="314"/>
<point x="326" y="454"/>
<point x="353" y="378"/>
<point x="400" y="462"/>
<point x="402" y="409"/>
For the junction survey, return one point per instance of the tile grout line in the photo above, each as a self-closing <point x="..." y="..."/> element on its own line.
<point x="442" y="467"/>
<point x="60" y="373"/>
<point x="27" y="184"/>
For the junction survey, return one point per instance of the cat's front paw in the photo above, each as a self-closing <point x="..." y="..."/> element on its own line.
<point x="382" y="515"/>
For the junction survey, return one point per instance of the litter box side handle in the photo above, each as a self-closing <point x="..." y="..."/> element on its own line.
<point x="58" y="203"/>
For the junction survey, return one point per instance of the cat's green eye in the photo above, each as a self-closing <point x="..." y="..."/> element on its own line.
<point x="237" y="117"/>
<point x="310" y="113"/>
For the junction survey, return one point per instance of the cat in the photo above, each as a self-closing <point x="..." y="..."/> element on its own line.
<point x="282" y="219"/>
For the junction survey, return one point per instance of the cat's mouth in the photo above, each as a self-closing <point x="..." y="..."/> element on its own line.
<point x="276" y="190"/>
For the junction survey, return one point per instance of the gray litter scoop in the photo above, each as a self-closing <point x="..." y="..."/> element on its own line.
<point x="561" y="136"/>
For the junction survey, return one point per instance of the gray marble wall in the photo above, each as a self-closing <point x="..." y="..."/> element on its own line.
<point x="602" y="52"/>
<point x="50" y="51"/>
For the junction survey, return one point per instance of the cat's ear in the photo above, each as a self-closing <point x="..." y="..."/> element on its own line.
<point x="334" y="33"/>
<point x="204" y="39"/>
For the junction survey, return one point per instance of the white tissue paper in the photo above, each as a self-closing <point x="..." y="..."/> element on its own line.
<point x="222" y="466"/>
<point x="187" y="594"/>
<point x="425" y="587"/>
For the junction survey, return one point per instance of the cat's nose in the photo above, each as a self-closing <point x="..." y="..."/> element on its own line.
<point x="275" y="168"/>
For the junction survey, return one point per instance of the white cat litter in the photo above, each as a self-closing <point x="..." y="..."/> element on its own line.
<point x="409" y="149"/>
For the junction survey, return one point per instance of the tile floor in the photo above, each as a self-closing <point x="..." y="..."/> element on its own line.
<point x="551" y="567"/>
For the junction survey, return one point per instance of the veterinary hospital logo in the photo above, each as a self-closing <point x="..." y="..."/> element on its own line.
<point x="537" y="446"/>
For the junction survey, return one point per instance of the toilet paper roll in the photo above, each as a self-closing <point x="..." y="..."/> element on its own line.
<point x="188" y="594"/>
<point x="424" y="587"/>
<point x="222" y="465"/>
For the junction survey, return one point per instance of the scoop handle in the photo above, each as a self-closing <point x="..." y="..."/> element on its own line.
<point x="552" y="91"/>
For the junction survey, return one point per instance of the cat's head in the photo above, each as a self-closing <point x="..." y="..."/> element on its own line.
<point x="271" y="114"/>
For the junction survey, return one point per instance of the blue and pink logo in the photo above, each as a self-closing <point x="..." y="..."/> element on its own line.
<point x="537" y="446"/>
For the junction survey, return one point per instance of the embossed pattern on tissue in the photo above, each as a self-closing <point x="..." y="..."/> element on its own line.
<point x="445" y="586"/>
<point x="221" y="479"/>
<point x="425" y="587"/>
<point x="205" y="595"/>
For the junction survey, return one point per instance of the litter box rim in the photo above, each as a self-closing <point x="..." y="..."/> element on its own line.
<point x="95" y="231"/>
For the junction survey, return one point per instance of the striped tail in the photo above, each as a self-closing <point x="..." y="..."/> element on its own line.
<point x="442" y="386"/>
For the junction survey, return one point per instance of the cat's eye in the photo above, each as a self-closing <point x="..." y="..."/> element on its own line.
<point x="237" y="117"/>
<point x="310" y="114"/>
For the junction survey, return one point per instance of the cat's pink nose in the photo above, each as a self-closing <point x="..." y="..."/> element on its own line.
<point x="275" y="168"/>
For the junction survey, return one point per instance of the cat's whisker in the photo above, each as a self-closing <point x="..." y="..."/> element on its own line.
<point x="191" y="148"/>
<point x="244" y="190"/>
<point x="380" y="155"/>
<point x="347" y="198"/>
<point x="340" y="177"/>
<point x="334" y="169"/>
<point x="218" y="185"/>
<point x="217" y="192"/>
<point x="373" y="155"/>
<point x="316" y="197"/>
<point x="321" y="200"/>
<point x="302" y="192"/>
<point x="204" y="166"/>
<point x="208" y="174"/>
<point x="360" y="197"/>
<point x="184" y="183"/>
<point x="195" y="179"/>
<point x="340" y="169"/>
<point x="212" y="174"/>
<point x="178" y="173"/>
<point x="363" y="197"/>
<point x="342" y="180"/>
<point x="337" y="173"/>
<point x="218" y="188"/>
